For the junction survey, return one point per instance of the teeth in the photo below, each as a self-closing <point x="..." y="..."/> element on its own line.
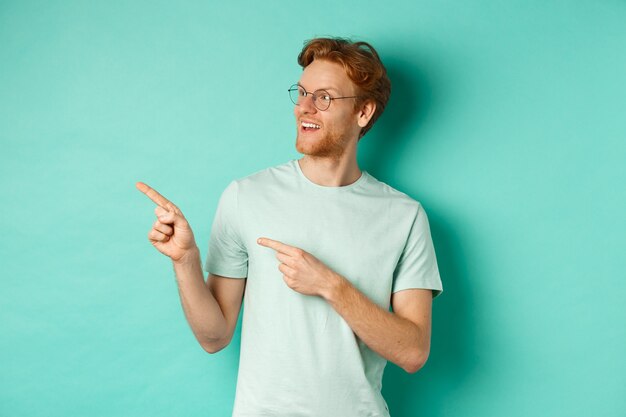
<point x="305" y="124"/>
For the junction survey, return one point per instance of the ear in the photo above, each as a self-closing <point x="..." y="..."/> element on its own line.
<point x="366" y="112"/>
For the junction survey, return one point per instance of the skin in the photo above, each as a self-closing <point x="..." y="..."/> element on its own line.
<point x="330" y="152"/>
<point x="170" y="234"/>
<point x="401" y="336"/>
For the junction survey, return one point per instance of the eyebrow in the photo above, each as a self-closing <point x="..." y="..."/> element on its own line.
<point x="325" y="88"/>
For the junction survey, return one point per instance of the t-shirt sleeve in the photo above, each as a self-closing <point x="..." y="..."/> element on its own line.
<point x="227" y="255"/>
<point x="417" y="266"/>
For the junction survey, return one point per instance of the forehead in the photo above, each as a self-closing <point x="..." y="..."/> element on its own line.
<point x="322" y="74"/>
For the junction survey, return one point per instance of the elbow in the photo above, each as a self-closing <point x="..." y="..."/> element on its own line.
<point x="213" y="346"/>
<point x="416" y="362"/>
<point x="211" y="349"/>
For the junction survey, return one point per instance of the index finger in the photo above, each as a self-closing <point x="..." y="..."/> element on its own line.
<point x="276" y="245"/>
<point x="154" y="195"/>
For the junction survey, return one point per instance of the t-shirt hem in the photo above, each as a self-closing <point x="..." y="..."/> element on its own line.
<point x="436" y="291"/>
<point x="226" y="272"/>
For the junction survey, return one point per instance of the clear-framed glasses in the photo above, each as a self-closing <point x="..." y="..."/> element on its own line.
<point x="321" y="98"/>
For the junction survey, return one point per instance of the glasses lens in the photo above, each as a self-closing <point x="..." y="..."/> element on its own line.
<point x="296" y="93"/>
<point x="321" y="99"/>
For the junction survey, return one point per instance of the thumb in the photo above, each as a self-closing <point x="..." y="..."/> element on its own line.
<point x="174" y="218"/>
<point x="167" y="217"/>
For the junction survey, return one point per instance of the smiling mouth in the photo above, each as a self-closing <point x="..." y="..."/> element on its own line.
<point x="309" y="127"/>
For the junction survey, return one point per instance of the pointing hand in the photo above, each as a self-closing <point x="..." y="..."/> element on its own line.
<point x="302" y="271"/>
<point x="171" y="234"/>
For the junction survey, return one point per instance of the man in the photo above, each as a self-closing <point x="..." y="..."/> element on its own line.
<point x="318" y="250"/>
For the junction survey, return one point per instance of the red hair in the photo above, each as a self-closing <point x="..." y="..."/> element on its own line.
<point x="362" y="65"/>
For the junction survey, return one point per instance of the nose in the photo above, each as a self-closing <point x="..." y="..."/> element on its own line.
<point x="306" y="104"/>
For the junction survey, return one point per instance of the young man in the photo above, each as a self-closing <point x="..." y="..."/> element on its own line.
<point x="318" y="250"/>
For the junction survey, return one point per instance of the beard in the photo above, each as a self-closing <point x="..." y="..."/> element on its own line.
<point x="327" y="145"/>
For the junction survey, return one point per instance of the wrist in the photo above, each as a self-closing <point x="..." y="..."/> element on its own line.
<point x="189" y="257"/>
<point x="335" y="285"/>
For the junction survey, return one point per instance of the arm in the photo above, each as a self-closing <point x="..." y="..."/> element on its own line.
<point x="211" y="307"/>
<point x="402" y="337"/>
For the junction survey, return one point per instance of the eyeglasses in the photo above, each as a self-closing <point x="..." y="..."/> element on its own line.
<point x="321" y="98"/>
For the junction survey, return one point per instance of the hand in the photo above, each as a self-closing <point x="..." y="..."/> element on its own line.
<point x="302" y="271"/>
<point x="171" y="234"/>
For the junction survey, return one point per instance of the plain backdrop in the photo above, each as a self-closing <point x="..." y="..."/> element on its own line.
<point x="506" y="122"/>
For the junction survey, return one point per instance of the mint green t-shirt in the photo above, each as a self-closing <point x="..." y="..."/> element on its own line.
<point x="298" y="356"/>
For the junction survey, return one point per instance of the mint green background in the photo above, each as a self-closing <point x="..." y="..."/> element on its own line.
<point x="506" y="121"/>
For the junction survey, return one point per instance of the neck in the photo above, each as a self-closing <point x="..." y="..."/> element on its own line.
<point x="330" y="172"/>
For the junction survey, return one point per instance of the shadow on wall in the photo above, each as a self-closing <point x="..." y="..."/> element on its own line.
<point x="406" y="112"/>
<point x="450" y="363"/>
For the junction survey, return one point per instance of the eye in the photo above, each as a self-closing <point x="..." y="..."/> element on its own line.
<point x="301" y="92"/>
<point x="324" y="96"/>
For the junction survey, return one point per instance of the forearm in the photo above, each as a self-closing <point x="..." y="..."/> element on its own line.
<point x="201" y="309"/>
<point x="391" y="336"/>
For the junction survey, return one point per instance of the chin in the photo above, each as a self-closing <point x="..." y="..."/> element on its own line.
<point x="305" y="147"/>
<point x="320" y="147"/>
<point x="306" y="150"/>
<point x="308" y="145"/>
<point x="319" y="152"/>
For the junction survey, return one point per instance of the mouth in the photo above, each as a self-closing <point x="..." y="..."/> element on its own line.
<point x="309" y="127"/>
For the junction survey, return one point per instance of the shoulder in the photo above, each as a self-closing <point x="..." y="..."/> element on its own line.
<point x="264" y="177"/>
<point x="399" y="201"/>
